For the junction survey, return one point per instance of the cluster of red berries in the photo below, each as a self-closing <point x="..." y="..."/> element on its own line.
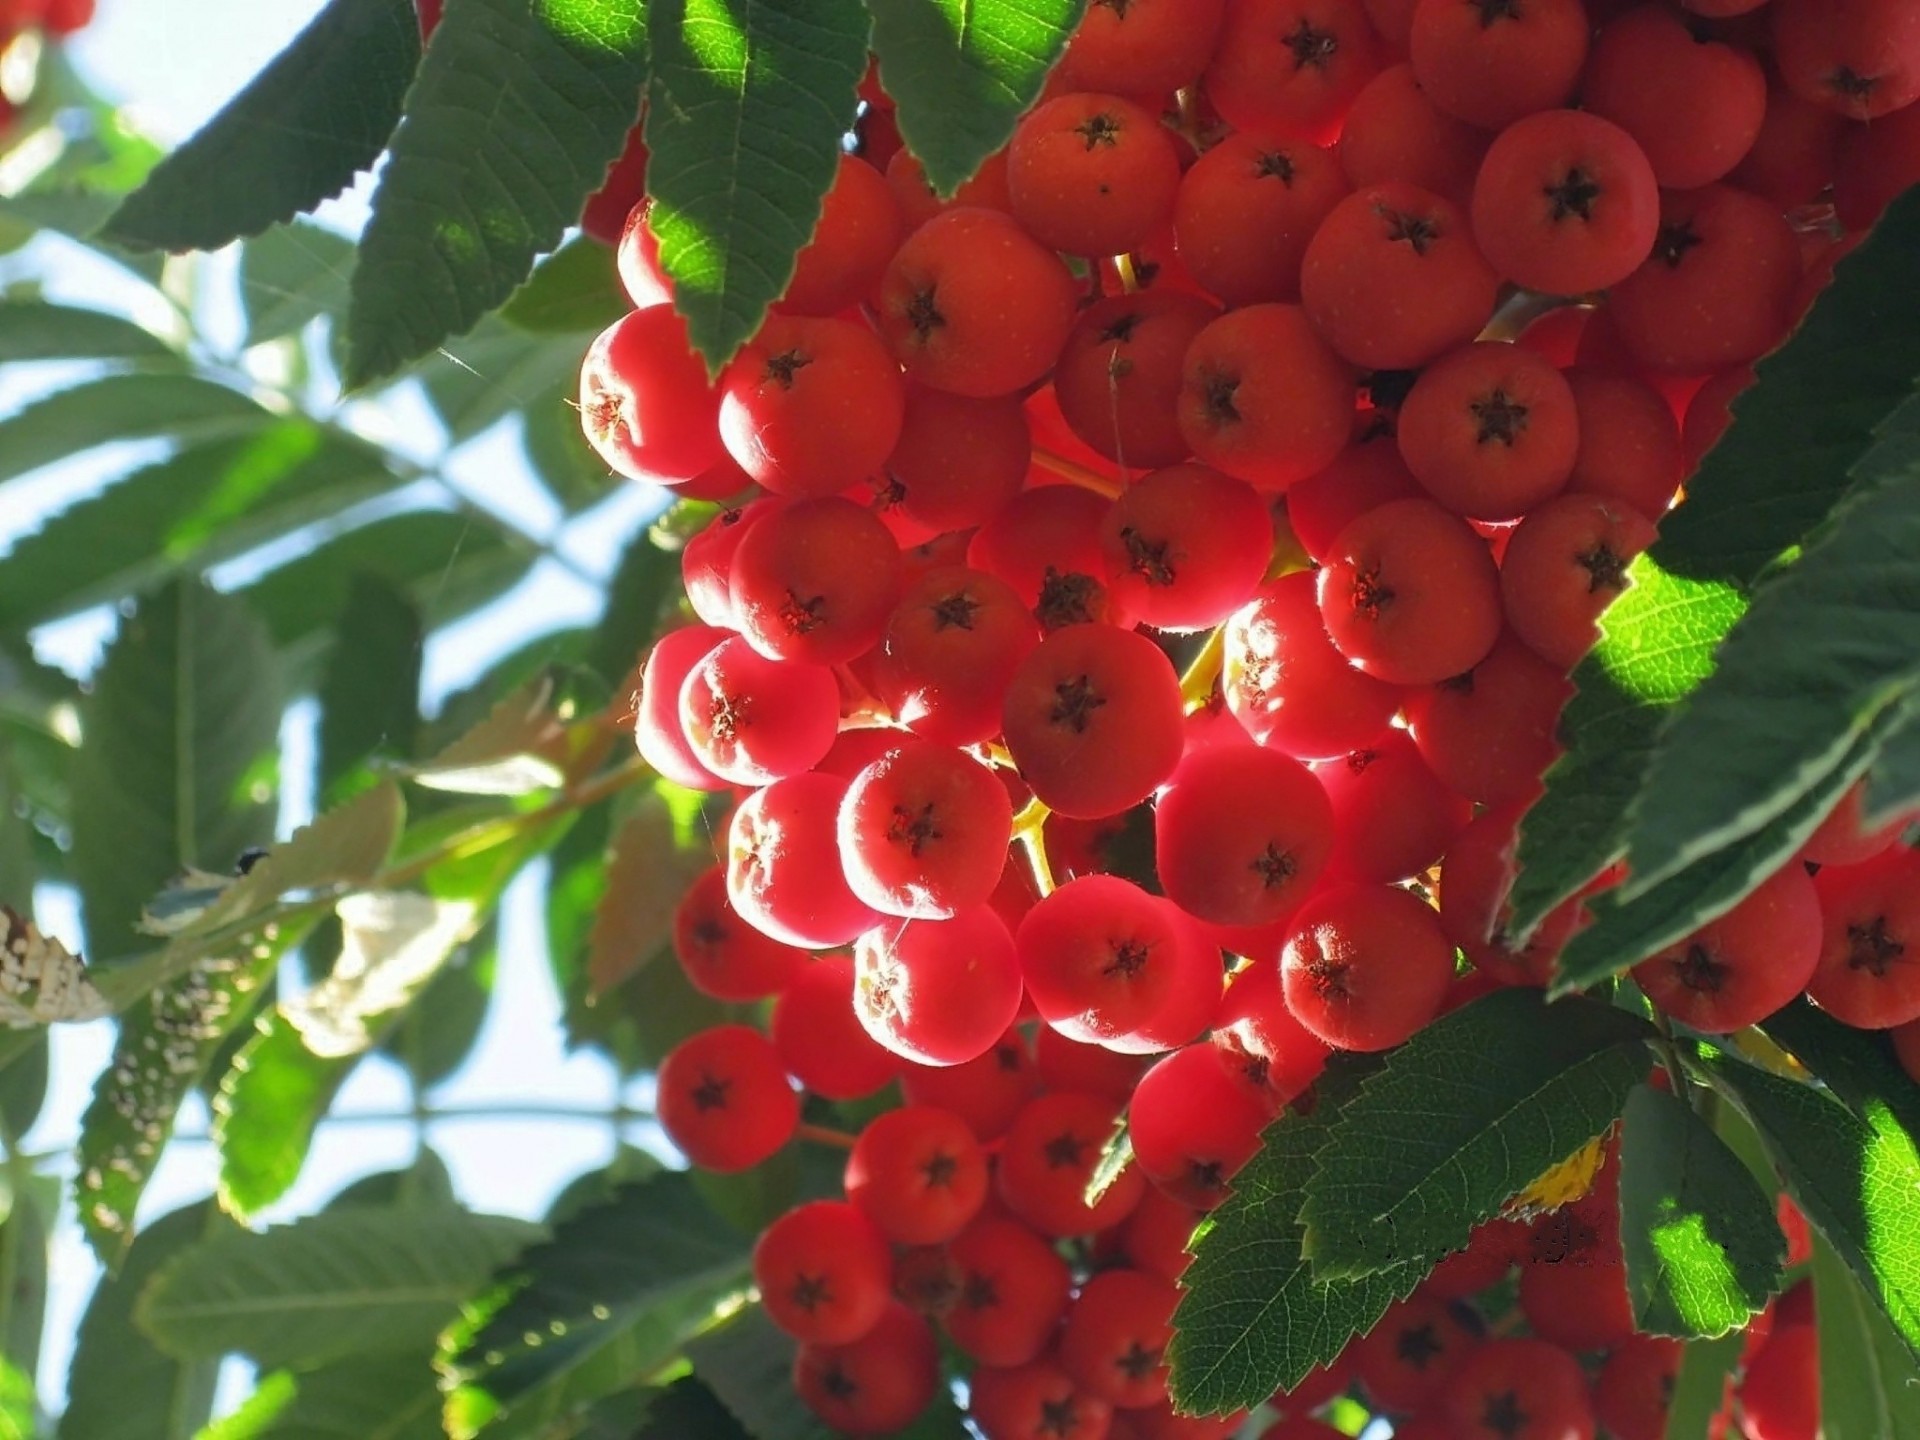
<point x="57" y="18"/>
<point x="984" y="505"/>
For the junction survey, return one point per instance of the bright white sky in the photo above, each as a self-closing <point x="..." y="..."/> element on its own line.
<point x="173" y="63"/>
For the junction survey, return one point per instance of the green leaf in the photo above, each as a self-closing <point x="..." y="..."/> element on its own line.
<point x="19" y="1412"/>
<point x="370" y="686"/>
<point x="439" y="1030"/>
<point x="370" y="1397"/>
<point x="290" y="275"/>
<point x="557" y="449"/>
<point x="185" y="711"/>
<point x="1703" y="1250"/>
<point x="1855" y="1173"/>
<point x="1624" y="932"/>
<point x="649" y="871"/>
<point x="607" y="1301"/>
<point x="425" y="1182"/>
<point x="961" y="72"/>
<point x="120" y="1386"/>
<point x="447" y="563"/>
<point x="688" y="1410"/>
<point x="518" y="112"/>
<point x="1869" y="1384"/>
<point x="746" y="108"/>
<point x="517" y="749"/>
<point x="1700" y="1387"/>
<point x="122" y="407"/>
<point x="37" y="330"/>
<point x="574" y="291"/>
<point x="25" y="1248"/>
<point x="345" y="846"/>
<point x="1460" y="1119"/>
<point x="747" y="1362"/>
<point x="1657" y="645"/>
<point x="645" y="584"/>
<point x="269" y="1102"/>
<point x="185" y="513"/>
<point x="1786" y="702"/>
<point x="1858" y="1066"/>
<point x="477" y="380"/>
<point x="1893" y="782"/>
<point x="1254" y="1319"/>
<point x="344" y="1282"/>
<point x="166" y="1044"/>
<point x="298" y="134"/>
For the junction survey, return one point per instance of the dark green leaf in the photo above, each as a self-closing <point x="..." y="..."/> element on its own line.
<point x="1253" y="1319"/>
<point x="447" y="563"/>
<point x="344" y="1282"/>
<point x="290" y="275"/>
<point x="1858" y="1066"/>
<point x="646" y="582"/>
<point x="37" y="330"/>
<point x="1785" y="702"/>
<point x="370" y="686"/>
<point x="650" y="869"/>
<point x="574" y="291"/>
<point x="439" y="1030"/>
<point x="25" y="1245"/>
<point x="1893" y="783"/>
<point x="426" y="1181"/>
<point x="603" y="1304"/>
<point x="962" y="71"/>
<point x="747" y="1362"/>
<point x="298" y="134"/>
<point x="518" y="112"/>
<point x="183" y="514"/>
<point x="122" y="407"/>
<point x="76" y="211"/>
<point x="746" y="108"/>
<point x="120" y="1386"/>
<point x="688" y="1410"/>
<point x="1856" y="1174"/>
<point x="558" y="451"/>
<point x="1625" y="932"/>
<point x="1703" y="1249"/>
<point x="23" y="1089"/>
<point x="1700" y="1387"/>
<point x="181" y="731"/>
<point x="1869" y="1384"/>
<point x="370" y="1397"/>
<point x="1460" y="1119"/>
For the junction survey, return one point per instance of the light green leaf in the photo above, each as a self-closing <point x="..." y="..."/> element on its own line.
<point x="122" y="407"/>
<point x="298" y="134"/>
<point x="394" y="942"/>
<point x="38" y="330"/>
<point x="961" y="72"/>
<point x="747" y="104"/>
<point x="1700" y="1388"/>
<point x="1625" y="932"/>
<point x="1855" y="1173"/>
<point x="120" y="1386"/>
<point x="1254" y="1319"/>
<point x="574" y="291"/>
<point x="370" y="685"/>
<point x="1869" y="1384"/>
<point x="604" y="1303"/>
<point x="269" y="1102"/>
<point x="344" y="1282"/>
<point x="370" y="1397"/>
<point x="1786" y="701"/>
<point x="290" y="275"/>
<point x="1460" y="1119"/>
<point x="1703" y="1250"/>
<point x="1858" y="1066"/>
<point x="519" y="110"/>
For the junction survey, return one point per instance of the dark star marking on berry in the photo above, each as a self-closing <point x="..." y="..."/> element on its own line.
<point x="980" y="1293"/>
<point x="1217" y="391"/>
<point x="810" y="1292"/>
<point x="1256" y="1069"/>
<point x="1058" y="1417"/>
<point x="1605" y="568"/>
<point x="711" y="1092"/>
<point x="1417" y="231"/>
<point x="1850" y="83"/>
<point x="728" y="715"/>
<point x="839" y="1384"/>
<point x="955" y="611"/>
<point x="1064" y="1150"/>
<point x="1129" y="959"/>
<point x="1496" y="10"/>
<point x="1573" y="195"/>
<point x="1503" y="1415"/>
<point x="708" y="933"/>
<point x="1147" y="558"/>
<point x="1872" y="947"/>
<point x="783" y="367"/>
<point x="1066" y="599"/>
<point x="1274" y="165"/>
<point x="914" y="828"/>
<point x="1499" y="417"/>
<point x="1673" y="242"/>
<point x="1007" y="1057"/>
<point x="803" y="614"/>
<point x="1328" y="978"/>
<point x="1074" y="702"/>
<point x="1099" y="131"/>
<point x="1371" y="596"/>
<point x="888" y="493"/>
<point x="1274" y="866"/>
<point x="1312" y="48"/>
<point x="1138" y="1362"/>
<point x="1119" y="330"/>
<point x="1418" y="1346"/>
<point x="923" y="314"/>
<point x="940" y="1170"/>
<point x="1697" y="969"/>
<point x="1207" y="1175"/>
